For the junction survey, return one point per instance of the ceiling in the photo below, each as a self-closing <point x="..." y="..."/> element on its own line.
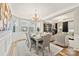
<point x="27" y="10"/>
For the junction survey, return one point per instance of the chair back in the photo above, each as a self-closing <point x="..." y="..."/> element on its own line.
<point x="28" y="39"/>
<point x="46" y="40"/>
<point x="60" y="39"/>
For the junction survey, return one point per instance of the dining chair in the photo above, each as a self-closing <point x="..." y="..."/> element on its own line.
<point x="29" y="41"/>
<point x="45" y="43"/>
<point x="61" y="39"/>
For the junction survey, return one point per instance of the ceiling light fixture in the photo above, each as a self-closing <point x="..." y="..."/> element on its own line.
<point x="35" y="16"/>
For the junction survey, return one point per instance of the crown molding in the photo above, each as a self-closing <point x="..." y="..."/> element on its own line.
<point x="61" y="12"/>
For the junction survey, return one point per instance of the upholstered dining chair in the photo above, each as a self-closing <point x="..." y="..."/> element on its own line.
<point x="29" y="41"/>
<point x="45" y="43"/>
<point x="61" y="39"/>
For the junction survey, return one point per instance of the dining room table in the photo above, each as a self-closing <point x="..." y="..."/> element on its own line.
<point x="37" y="38"/>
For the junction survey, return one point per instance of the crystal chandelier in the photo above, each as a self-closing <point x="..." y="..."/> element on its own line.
<point x="35" y="16"/>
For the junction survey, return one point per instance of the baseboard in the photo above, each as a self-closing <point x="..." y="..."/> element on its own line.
<point x="62" y="46"/>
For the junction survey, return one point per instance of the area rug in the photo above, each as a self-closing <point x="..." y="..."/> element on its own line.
<point x="23" y="50"/>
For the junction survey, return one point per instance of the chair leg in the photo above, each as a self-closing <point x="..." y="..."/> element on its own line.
<point x="30" y="48"/>
<point x="49" y="48"/>
<point x="43" y="51"/>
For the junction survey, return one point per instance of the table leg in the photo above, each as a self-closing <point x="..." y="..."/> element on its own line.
<point x="37" y="47"/>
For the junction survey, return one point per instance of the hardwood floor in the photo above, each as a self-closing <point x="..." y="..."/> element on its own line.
<point x="62" y="53"/>
<point x="68" y="52"/>
<point x="77" y="53"/>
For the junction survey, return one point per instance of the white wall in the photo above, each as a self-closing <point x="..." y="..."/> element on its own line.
<point x="28" y="23"/>
<point x="63" y="18"/>
<point x="76" y="36"/>
<point x="40" y="25"/>
<point x="60" y="24"/>
<point x="71" y="26"/>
